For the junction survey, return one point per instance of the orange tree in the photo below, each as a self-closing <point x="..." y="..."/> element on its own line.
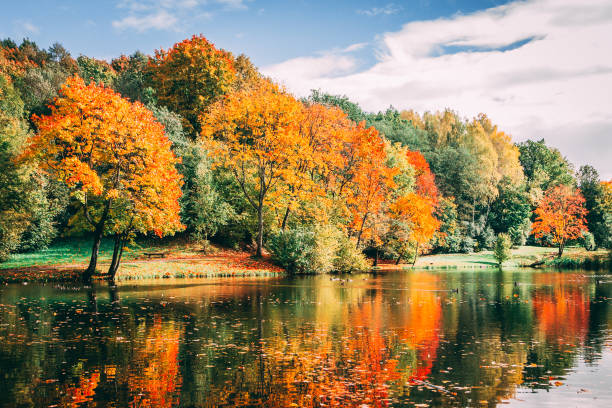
<point x="370" y="179"/>
<point x="115" y="159"/>
<point x="561" y="214"/>
<point x="190" y="76"/>
<point x="416" y="212"/>
<point x="253" y="133"/>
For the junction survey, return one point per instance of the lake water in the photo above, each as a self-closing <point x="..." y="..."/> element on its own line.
<point x="520" y="338"/>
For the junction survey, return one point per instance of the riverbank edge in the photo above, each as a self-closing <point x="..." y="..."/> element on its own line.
<point x="229" y="264"/>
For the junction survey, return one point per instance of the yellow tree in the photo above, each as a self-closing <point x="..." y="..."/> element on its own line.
<point x="115" y="159"/>
<point x="253" y="132"/>
<point x="323" y="130"/>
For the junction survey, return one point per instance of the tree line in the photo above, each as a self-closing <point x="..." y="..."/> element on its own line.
<point x="194" y="140"/>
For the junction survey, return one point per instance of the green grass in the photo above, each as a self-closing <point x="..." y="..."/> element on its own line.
<point x="78" y="251"/>
<point x="520" y="257"/>
<point x="74" y="251"/>
<point x="65" y="260"/>
<point x="180" y="269"/>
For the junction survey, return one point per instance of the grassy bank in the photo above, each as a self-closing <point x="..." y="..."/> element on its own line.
<point x="64" y="261"/>
<point x="573" y="257"/>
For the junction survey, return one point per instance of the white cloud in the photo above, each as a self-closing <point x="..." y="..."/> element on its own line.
<point x="31" y="28"/>
<point x="386" y="10"/>
<point x="539" y="68"/>
<point x="23" y="28"/>
<point x="233" y="4"/>
<point x="161" y="20"/>
<point x="144" y="15"/>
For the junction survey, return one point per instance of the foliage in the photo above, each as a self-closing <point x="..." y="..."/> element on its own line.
<point x="292" y="249"/>
<point x="115" y="159"/>
<point x="96" y="71"/>
<point x="349" y="258"/>
<point x="588" y="241"/>
<point x="511" y="210"/>
<point x="544" y="168"/>
<point x="132" y="77"/>
<point x="598" y="202"/>
<point x="502" y="249"/>
<point x="189" y="77"/>
<point x="561" y="213"/>
<point x="27" y="207"/>
<point x="352" y="110"/>
<point x="253" y="134"/>
<point x="467" y="245"/>
<point x="316" y="250"/>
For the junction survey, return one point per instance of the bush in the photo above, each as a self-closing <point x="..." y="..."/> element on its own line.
<point x="587" y="241"/>
<point x="319" y="250"/>
<point x="467" y="245"/>
<point x="327" y="244"/>
<point x="487" y="239"/>
<point x="293" y="249"/>
<point x="453" y="243"/>
<point x="503" y="244"/>
<point x="519" y="234"/>
<point x="349" y="258"/>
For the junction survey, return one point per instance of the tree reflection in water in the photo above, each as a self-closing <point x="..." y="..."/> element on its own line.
<point x="392" y="340"/>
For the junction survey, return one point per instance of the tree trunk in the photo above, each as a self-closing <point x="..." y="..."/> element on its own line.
<point x="117" y="253"/>
<point x="361" y="231"/>
<point x="99" y="231"/>
<point x="284" y="224"/>
<point x="399" y="258"/>
<point x="93" y="261"/>
<point x="416" y="254"/>
<point x="561" y="247"/>
<point x="260" y="225"/>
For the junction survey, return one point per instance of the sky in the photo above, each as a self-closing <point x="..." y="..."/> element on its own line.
<point x="537" y="68"/>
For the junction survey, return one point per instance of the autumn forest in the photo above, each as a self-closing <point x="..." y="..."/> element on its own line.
<point x="194" y="142"/>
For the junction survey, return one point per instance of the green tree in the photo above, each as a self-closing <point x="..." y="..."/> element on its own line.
<point x="502" y="250"/>
<point x="599" y="221"/>
<point x="352" y="110"/>
<point x="27" y="215"/>
<point x="544" y="167"/>
<point x="511" y="211"/>
<point x="98" y="71"/>
<point x="133" y="77"/>
<point x="204" y="210"/>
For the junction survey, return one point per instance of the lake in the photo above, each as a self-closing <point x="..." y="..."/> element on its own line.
<point x="435" y="338"/>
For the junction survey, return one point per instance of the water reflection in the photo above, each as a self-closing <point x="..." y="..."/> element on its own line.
<point x="399" y="339"/>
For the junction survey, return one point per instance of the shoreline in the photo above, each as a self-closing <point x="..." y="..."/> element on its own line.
<point x="186" y="261"/>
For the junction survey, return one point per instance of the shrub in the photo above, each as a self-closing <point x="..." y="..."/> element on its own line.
<point x="349" y="258"/>
<point x="467" y="245"/>
<point x="519" y="234"/>
<point x="453" y="243"/>
<point x="487" y="239"/>
<point x="327" y="244"/>
<point x="587" y="241"/>
<point x="293" y="249"/>
<point x="503" y="244"/>
<point x="321" y="249"/>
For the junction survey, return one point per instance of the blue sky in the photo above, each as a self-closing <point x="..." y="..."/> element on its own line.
<point x="268" y="31"/>
<point x="538" y="68"/>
